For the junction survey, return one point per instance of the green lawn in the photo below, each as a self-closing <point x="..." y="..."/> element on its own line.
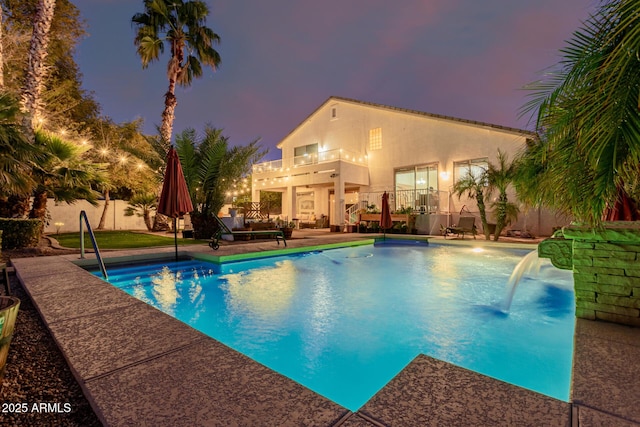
<point x="121" y="240"/>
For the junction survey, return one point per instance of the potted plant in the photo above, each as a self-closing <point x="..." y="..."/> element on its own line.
<point x="403" y="228"/>
<point x="287" y="229"/>
<point x="9" y="307"/>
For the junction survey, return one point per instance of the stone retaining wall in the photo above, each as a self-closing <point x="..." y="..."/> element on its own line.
<point x="606" y="270"/>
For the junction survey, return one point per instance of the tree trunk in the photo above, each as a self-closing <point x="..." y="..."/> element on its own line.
<point x="146" y="214"/>
<point x="483" y="214"/>
<point x="103" y="218"/>
<point x="168" y="115"/>
<point x="170" y="101"/>
<point x="39" y="206"/>
<point x="37" y="56"/>
<point x="501" y="217"/>
<point x="14" y="206"/>
<point x="1" y="51"/>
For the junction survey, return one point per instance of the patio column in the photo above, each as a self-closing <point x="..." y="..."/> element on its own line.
<point x="322" y="202"/>
<point x="337" y="217"/>
<point x="289" y="203"/>
<point x="294" y="203"/>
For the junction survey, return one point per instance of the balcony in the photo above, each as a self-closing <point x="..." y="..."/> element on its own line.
<point x="310" y="159"/>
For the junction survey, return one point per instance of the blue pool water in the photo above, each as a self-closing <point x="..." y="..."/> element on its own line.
<point x="344" y="322"/>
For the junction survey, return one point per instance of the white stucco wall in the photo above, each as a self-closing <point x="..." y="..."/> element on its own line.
<point x="409" y="138"/>
<point x="69" y="216"/>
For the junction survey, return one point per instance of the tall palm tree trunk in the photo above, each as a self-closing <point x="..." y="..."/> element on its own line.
<point x="168" y="115"/>
<point x="175" y="70"/>
<point x="1" y="51"/>
<point x="37" y="56"/>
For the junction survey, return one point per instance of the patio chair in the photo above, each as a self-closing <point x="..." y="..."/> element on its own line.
<point x="223" y="229"/>
<point x="466" y="224"/>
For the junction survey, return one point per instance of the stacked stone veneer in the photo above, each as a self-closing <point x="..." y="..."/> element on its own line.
<point x="606" y="270"/>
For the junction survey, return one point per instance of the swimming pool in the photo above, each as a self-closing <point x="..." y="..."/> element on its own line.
<point x="343" y="322"/>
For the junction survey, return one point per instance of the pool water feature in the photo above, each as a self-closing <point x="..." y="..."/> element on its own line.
<point x="344" y="322"/>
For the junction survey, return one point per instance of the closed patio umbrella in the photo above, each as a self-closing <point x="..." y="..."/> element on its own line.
<point x="174" y="199"/>
<point x="624" y="209"/>
<point x="385" y="216"/>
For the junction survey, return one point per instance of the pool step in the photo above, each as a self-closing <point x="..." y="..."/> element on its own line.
<point x="187" y="270"/>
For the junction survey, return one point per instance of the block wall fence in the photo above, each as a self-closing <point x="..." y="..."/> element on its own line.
<point x="68" y="215"/>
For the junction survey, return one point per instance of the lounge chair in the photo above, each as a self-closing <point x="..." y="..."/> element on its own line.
<point x="223" y="229"/>
<point x="466" y="224"/>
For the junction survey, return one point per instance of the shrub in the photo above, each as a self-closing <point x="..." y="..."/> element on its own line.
<point x="20" y="233"/>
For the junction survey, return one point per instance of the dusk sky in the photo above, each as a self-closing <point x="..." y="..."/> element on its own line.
<point x="281" y="59"/>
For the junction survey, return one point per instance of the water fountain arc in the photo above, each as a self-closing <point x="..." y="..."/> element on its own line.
<point x="529" y="264"/>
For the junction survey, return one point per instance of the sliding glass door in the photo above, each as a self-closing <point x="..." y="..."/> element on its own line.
<point x="416" y="186"/>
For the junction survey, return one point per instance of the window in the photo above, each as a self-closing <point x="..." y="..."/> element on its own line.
<point x="334" y="112"/>
<point x="306" y="154"/>
<point x="375" y="139"/>
<point x="475" y="167"/>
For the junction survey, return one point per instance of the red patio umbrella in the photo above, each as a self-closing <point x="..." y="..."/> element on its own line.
<point x="174" y="199"/>
<point x="624" y="209"/>
<point x="385" y="216"/>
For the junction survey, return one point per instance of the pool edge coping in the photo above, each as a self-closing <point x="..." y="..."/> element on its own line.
<point x="48" y="323"/>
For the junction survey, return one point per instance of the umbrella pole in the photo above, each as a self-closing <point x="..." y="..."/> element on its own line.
<point x="175" y="237"/>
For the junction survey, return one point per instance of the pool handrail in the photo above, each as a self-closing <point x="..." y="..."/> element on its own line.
<point x="93" y="242"/>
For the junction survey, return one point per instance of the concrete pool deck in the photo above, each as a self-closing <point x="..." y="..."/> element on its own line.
<point x="139" y="366"/>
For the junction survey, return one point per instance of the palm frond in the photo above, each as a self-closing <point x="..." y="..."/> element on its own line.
<point x="587" y="115"/>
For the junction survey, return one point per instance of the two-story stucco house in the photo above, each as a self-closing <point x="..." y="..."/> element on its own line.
<point x="347" y="152"/>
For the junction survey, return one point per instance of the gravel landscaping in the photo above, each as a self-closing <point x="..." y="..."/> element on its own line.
<point x="38" y="388"/>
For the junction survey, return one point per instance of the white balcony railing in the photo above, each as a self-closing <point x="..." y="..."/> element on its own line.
<point x="310" y="159"/>
<point x="419" y="200"/>
<point x="274" y="165"/>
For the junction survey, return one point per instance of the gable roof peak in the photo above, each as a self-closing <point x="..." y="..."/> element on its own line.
<point x="334" y="98"/>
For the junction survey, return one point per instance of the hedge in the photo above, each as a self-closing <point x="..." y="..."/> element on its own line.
<point x="20" y="233"/>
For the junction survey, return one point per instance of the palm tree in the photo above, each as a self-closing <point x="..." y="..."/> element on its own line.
<point x="475" y="187"/>
<point x="180" y="24"/>
<point x="499" y="177"/>
<point x="586" y="110"/>
<point x="17" y="159"/>
<point x="63" y="175"/>
<point x="210" y="168"/>
<point x="142" y="204"/>
<point x="16" y="154"/>
<point x="37" y="55"/>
